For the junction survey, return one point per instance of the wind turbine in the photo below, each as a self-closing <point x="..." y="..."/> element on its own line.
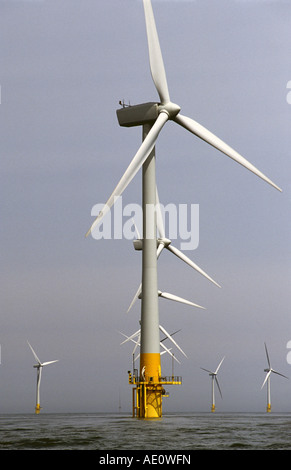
<point x="268" y="380"/>
<point x="163" y="242"/>
<point x="39" y="367"/>
<point x="213" y="376"/>
<point x="159" y="114"/>
<point x="152" y="117"/>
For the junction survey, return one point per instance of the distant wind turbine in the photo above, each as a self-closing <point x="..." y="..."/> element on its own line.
<point x="268" y="380"/>
<point x="163" y="242"/>
<point x="39" y="367"/>
<point x="213" y="376"/>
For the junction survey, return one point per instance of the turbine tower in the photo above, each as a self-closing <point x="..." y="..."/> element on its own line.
<point x="268" y="380"/>
<point x="152" y="116"/>
<point x="39" y="367"/>
<point x="213" y="376"/>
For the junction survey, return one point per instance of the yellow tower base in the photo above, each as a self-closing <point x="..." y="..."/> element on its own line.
<point x="268" y="407"/>
<point x="37" y="409"/>
<point x="148" y="394"/>
<point x="213" y="408"/>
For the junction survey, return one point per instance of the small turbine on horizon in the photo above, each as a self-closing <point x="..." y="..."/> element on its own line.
<point x="213" y="376"/>
<point x="39" y="367"/>
<point x="268" y="380"/>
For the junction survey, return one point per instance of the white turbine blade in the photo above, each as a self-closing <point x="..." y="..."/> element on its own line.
<point x="218" y="386"/>
<point x="187" y="260"/>
<point x="278" y="373"/>
<point x="123" y="334"/>
<point x="172" y="334"/>
<point x="210" y="372"/>
<point x="266" y="378"/>
<point x="136" y="229"/>
<point x="155" y="54"/>
<point x="164" y="352"/>
<point x="137" y="343"/>
<point x="34" y="353"/>
<point x="219" y="365"/>
<point x="160" y="249"/>
<point x="49" y="362"/>
<point x="136" y="163"/>
<point x="168" y="296"/>
<point x="137" y="294"/>
<point x="171" y="339"/>
<point x="211" y="139"/>
<point x="169" y="352"/>
<point x="128" y="338"/>
<point x="267" y="354"/>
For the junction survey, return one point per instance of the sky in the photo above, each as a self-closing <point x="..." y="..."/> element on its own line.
<point x="64" y="68"/>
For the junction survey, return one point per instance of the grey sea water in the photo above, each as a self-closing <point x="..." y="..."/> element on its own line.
<point x="183" y="431"/>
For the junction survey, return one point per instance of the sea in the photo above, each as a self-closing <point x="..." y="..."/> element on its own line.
<point x="115" y="435"/>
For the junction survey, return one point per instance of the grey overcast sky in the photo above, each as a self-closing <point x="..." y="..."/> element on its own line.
<point x="64" y="66"/>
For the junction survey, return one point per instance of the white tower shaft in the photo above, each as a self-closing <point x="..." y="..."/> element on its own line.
<point x="150" y="341"/>
<point x="150" y="363"/>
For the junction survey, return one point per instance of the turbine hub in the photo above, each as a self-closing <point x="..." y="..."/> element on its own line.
<point x="164" y="241"/>
<point x="171" y="109"/>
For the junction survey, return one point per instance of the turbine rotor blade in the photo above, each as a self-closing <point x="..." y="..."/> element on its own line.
<point x="136" y="163"/>
<point x="49" y="362"/>
<point x="129" y="338"/>
<point x="160" y="249"/>
<point x="171" y="339"/>
<point x="175" y="298"/>
<point x="155" y="54"/>
<point x="211" y="139"/>
<point x="187" y="260"/>
<point x="267" y="354"/>
<point x="266" y="378"/>
<point x="219" y="365"/>
<point x="136" y="229"/>
<point x="218" y="386"/>
<point x="137" y="294"/>
<point x="34" y="353"/>
<point x="278" y="373"/>
<point x="172" y="334"/>
<point x="137" y="343"/>
<point x="169" y="352"/>
<point x="210" y="372"/>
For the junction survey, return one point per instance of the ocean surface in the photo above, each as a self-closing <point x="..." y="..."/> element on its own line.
<point x="119" y="431"/>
